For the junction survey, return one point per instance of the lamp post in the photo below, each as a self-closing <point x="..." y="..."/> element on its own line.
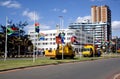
<point x="61" y="25"/>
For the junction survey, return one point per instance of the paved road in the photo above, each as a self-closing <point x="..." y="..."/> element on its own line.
<point x="98" y="69"/>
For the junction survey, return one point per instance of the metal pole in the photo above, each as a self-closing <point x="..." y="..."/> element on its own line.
<point x="116" y="45"/>
<point x="6" y="40"/>
<point x="37" y="46"/>
<point x="57" y="27"/>
<point x="34" y="41"/>
<point x="93" y="39"/>
<point x="81" y="42"/>
<point x="62" y="43"/>
<point x="61" y="24"/>
<point x="19" y="44"/>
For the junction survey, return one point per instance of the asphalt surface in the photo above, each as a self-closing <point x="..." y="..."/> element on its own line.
<point x="98" y="69"/>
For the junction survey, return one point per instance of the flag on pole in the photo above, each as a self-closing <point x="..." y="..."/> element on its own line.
<point x="37" y="27"/>
<point x="74" y="40"/>
<point x="58" y="40"/>
<point x="9" y="31"/>
<point x="12" y="31"/>
<point x="41" y="36"/>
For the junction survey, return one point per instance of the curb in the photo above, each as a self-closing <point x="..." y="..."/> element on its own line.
<point x="48" y="64"/>
<point x="26" y="67"/>
<point x="44" y="65"/>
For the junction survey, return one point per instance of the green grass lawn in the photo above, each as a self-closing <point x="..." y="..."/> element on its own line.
<point x="26" y="62"/>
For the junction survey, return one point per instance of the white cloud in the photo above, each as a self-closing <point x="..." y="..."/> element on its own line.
<point x="59" y="10"/>
<point x="92" y="0"/>
<point x="97" y="0"/>
<point x="31" y="15"/>
<point x="64" y="11"/>
<point x="116" y="25"/>
<point x="32" y="27"/>
<point x="44" y="27"/>
<point x="83" y="19"/>
<point x="10" y="4"/>
<point x="56" y="10"/>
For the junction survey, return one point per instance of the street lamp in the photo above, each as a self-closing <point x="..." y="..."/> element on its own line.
<point x="61" y="25"/>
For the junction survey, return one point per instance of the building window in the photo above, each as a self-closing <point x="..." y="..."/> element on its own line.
<point x="38" y="43"/>
<point x="54" y="34"/>
<point x="31" y="32"/>
<point x="50" y="38"/>
<point x="68" y="38"/>
<point x="32" y="36"/>
<point x="53" y="38"/>
<point x="50" y="43"/>
<point x="46" y="39"/>
<point x="46" y="35"/>
<point x="53" y="43"/>
<point x="51" y="34"/>
<point x="69" y="33"/>
<point x="36" y="35"/>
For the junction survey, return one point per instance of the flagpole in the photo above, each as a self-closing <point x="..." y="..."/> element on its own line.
<point x="34" y="40"/>
<point x="61" y="25"/>
<point x="6" y="40"/>
<point x="19" y="44"/>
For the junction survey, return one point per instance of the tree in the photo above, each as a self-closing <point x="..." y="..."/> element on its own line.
<point x="15" y="39"/>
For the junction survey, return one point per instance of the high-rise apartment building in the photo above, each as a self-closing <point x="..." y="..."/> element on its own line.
<point x="102" y="14"/>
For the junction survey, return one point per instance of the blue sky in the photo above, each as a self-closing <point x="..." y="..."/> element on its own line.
<point x="48" y="12"/>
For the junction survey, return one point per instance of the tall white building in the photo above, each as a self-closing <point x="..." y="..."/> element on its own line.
<point x="99" y="30"/>
<point x="50" y="41"/>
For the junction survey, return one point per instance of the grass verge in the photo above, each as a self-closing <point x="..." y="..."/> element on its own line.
<point x="28" y="62"/>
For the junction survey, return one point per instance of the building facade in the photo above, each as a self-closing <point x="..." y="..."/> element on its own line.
<point x="50" y="38"/>
<point x="98" y="31"/>
<point x="102" y="14"/>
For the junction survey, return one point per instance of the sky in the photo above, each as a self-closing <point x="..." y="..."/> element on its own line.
<point x="47" y="12"/>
